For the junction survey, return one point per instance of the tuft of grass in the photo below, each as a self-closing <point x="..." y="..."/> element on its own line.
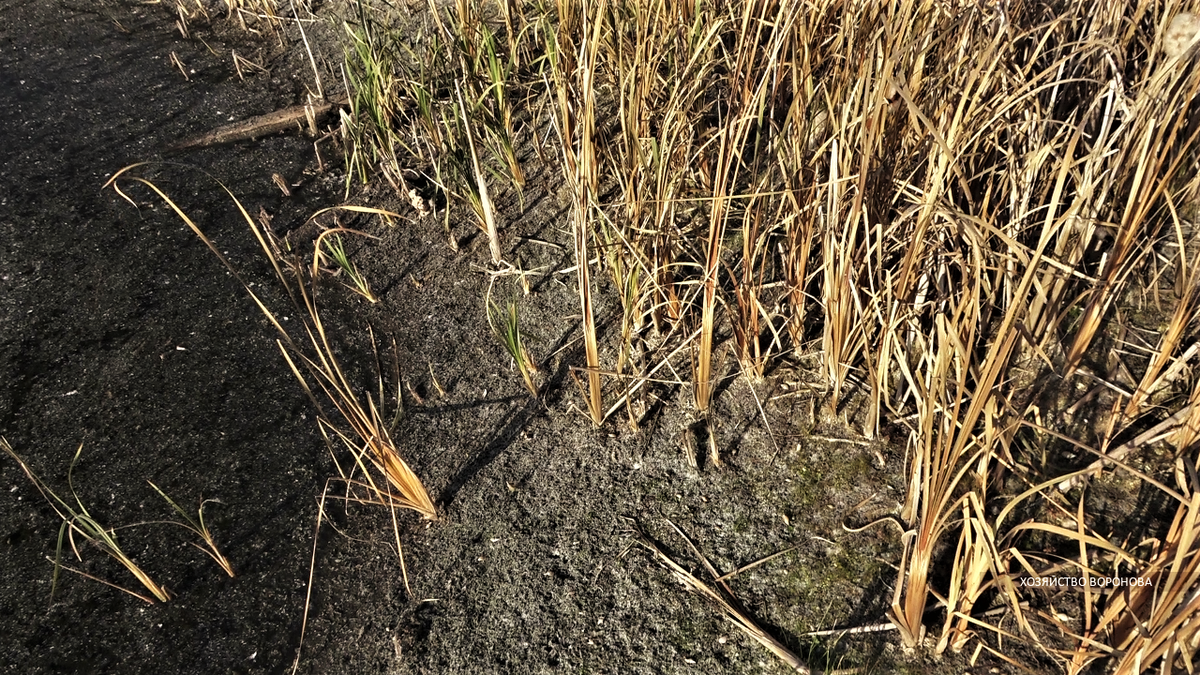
<point x="370" y="132"/>
<point x="505" y="325"/>
<point x="198" y="527"/>
<point x="311" y="357"/>
<point x="500" y="129"/>
<point x="334" y="249"/>
<point x="76" y="520"/>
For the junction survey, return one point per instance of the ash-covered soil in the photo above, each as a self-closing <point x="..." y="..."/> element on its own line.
<point x="120" y="331"/>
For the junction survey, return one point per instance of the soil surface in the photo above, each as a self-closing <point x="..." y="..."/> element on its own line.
<point x="120" y="331"/>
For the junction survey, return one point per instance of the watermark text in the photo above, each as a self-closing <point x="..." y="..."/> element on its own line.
<point x="1085" y="582"/>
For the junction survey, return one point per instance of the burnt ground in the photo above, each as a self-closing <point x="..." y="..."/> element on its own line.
<point x="120" y="331"/>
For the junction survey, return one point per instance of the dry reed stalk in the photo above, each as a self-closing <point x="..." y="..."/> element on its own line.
<point x="576" y="126"/>
<point x="587" y="183"/>
<point x="724" y="599"/>
<point x="1160" y="125"/>
<point x="930" y="182"/>
<point x="1188" y="433"/>
<point x="752" y="70"/>
<point x="955" y="389"/>
<point x="837" y="290"/>
<point x="1158" y="615"/>
<point x="976" y="560"/>
<point x="485" y="201"/>
<point x="1167" y="350"/>
<point x="747" y="291"/>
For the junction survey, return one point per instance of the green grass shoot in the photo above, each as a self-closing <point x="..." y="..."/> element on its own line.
<point x="76" y="520"/>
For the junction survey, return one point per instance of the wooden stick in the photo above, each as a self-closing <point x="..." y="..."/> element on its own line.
<point x="256" y="127"/>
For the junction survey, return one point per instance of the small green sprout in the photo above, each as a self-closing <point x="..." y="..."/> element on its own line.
<point x="506" y="326"/>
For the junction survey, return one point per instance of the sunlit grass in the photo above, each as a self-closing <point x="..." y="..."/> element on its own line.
<point x="311" y="358"/>
<point x="505" y="325"/>
<point x="77" y="520"/>
<point x="945" y="205"/>
<point x="334" y="249"/>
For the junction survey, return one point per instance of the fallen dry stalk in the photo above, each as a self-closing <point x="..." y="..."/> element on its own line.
<point x="725" y="602"/>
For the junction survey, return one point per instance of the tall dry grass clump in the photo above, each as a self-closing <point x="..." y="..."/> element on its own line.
<point x="962" y="208"/>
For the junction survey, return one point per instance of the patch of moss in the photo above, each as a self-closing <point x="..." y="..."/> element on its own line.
<point x="816" y="482"/>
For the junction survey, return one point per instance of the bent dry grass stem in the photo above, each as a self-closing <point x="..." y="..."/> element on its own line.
<point x="721" y="595"/>
<point x="313" y="354"/>
<point x="77" y="520"/>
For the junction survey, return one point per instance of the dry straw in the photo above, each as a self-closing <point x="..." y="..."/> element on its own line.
<point x="77" y="520"/>
<point x="944" y="204"/>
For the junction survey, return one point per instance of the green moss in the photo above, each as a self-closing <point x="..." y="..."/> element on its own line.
<point x="829" y="590"/>
<point x="814" y="483"/>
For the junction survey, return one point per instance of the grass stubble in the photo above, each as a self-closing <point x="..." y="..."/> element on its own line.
<point x="946" y="202"/>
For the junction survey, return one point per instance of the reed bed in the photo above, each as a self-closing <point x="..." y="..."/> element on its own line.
<point x="978" y="215"/>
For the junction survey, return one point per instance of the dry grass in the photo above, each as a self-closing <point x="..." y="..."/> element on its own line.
<point x="969" y="211"/>
<point x="1158" y="619"/>
<point x="365" y="429"/>
<point x="76" y="520"/>
<point x="253" y="16"/>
